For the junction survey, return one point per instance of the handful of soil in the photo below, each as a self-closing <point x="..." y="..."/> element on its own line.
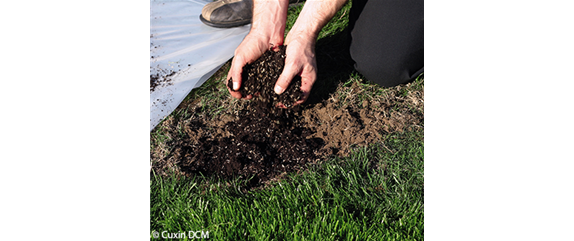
<point x="261" y="76"/>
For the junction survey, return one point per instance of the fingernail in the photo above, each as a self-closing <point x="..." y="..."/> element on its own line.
<point x="235" y="85"/>
<point x="278" y="89"/>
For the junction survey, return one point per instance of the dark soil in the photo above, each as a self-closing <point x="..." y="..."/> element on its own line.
<point x="257" y="147"/>
<point x="257" y="141"/>
<point x="264" y="140"/>
<point x="260" y="77"/>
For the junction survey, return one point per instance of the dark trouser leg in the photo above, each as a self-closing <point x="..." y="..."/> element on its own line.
<point x="387" y="40"/>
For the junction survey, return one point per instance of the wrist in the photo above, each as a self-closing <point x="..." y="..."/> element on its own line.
<point x="304" y="35"/>
<point x="269" y="20"/>
<point x="313" y="17"/>
<point x="305" y="29"/>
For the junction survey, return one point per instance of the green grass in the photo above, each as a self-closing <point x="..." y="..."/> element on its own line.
<point x="376" y="193"/>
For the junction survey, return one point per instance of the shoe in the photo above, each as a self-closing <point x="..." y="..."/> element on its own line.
<point x="227" y="13"/>
<point x="230" y="13"/>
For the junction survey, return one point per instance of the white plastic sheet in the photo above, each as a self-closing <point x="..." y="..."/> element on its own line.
<point x="180" y="42"/>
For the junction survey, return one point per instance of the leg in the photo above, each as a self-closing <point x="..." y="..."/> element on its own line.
<point x="387" y="40"/>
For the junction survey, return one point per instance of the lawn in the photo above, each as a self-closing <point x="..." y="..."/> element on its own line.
<point x="366" y="191"/>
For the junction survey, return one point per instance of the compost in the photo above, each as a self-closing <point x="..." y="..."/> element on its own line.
<point x="259" y="77"/>
<point x="264" y="140"/>
<point x="258" y="142"/>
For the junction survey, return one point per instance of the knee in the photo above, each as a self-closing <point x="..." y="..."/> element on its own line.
<point x="387" y="40"/>
<point x="386" y="71"/>
<point x="381" y="74"/>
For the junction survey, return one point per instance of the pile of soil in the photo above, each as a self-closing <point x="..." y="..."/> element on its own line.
<point x="264" y="140"/>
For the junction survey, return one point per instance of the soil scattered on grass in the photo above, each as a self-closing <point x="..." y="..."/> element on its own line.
<point x="254" y="143"/>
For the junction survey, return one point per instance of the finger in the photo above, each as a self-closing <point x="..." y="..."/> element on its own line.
<point x="304" y="97"/>
<point x="306" y="86"/>
<point x="285" y="78"/>
<point x="308" y="78"/>
<point x="235" y="94"/>
<point x="276" y="41"/>
<point x="235" y="71"/>
<point x="235" y="75"/>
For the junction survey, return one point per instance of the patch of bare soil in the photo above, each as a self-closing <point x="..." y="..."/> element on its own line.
<point x="342" y="128"/>
<point x="261" y="142"/>
<point x="360" y="124"/>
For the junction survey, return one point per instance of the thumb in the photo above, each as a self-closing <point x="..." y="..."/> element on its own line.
<point x="235" y="72"/>
<point x="289" y="72"/>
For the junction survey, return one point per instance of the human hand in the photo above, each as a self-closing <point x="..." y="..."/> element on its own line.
<point x="300" y="60"/>
<point x="252" y="47"/>
<point x="300" y="43"/>
<point x="267" y="31"/>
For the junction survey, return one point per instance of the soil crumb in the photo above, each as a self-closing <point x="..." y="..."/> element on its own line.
<point x="161" y="78"/>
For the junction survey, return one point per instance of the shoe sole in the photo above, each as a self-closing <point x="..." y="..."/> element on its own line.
<point x="224" y="25"/>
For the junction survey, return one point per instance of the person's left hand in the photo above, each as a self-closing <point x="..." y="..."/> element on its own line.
<point x="250" y="49"/>
<point x="300" y="60"/>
